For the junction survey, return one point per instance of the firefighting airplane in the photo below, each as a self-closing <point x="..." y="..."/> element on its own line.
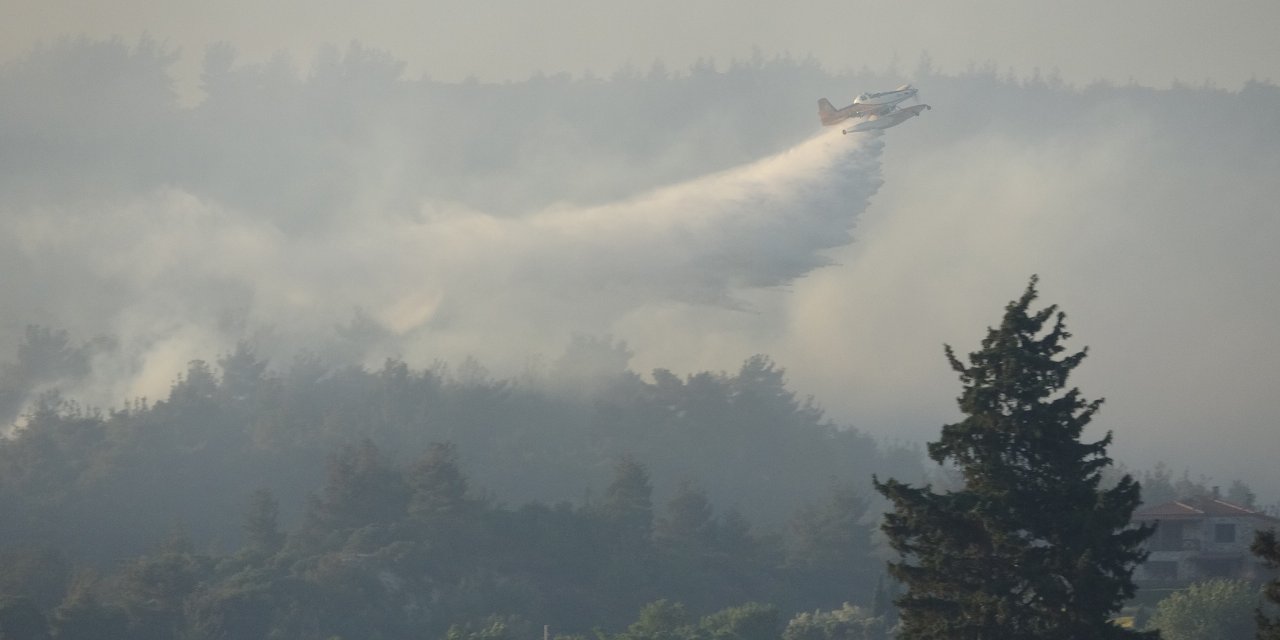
<point x="867" y="104"/>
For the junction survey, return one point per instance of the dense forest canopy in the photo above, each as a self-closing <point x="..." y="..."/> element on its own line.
<point x="194" y="457"/>
<point x="255" y="499"/>
<point x="248" y="492"/>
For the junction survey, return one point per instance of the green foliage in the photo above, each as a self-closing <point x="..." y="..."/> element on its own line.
<point x="44" y="356"/>
<point x="849" y="622"/>
<point x="437" y="484"/>
<point x="492" y="628"/>
<point x="830" y="534"/>
<point x="1267" y="548"/>
<point x="628" y="504"/>
<point x="661" y="620"/>
<point x="245" y="604"/>
<point x="375" y="571"/>
<point x="231" y="429"/>
<point x="361" y="488"/>
<point x="1159" y="486"/>
<point x="1031" y="546"/>
<point x="665" y="620"/>
<point x="689" y="520"/>
<point x="262" y="523"/>
<point x="154" y="590"/>
<point x="84" y="616"/>
<point x="751" y="621"/>
<point x="1211" y="610"/>
<point x="377" y="542"/>
<point x="243" y="374"/>
<point x="828" y="542"/>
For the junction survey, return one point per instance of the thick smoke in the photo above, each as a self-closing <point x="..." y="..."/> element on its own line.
<point x="349" y="211"/>
<point x="173" y="276"/>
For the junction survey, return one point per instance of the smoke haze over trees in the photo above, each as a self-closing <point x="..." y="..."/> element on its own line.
<point x="436" y="221"/>
<point x="285" y="333"/>
<point x="346" y="502"/>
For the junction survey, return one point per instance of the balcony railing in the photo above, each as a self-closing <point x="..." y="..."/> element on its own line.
<point x="1186" y="544"/>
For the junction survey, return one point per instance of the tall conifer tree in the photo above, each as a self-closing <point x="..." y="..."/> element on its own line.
<point x="1031" y="546"/>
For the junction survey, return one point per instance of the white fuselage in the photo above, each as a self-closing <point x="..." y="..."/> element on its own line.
<point x="830" y="115"/>
<point x="891" y="119"/>
<point x="887" y="97"/>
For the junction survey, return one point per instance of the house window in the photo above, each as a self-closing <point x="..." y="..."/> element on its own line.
<point x="1168" y="537"/>
<point x="1224" y="533"/>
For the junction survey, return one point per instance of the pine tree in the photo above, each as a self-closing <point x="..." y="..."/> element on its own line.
<point x="628" y="504"/>
<point x="438" y="485"/>
<point x="689" y="522"/>
<point x="262" y="523"/>
<point x="1267" y="547"/>
<point x="1031" y="546"/>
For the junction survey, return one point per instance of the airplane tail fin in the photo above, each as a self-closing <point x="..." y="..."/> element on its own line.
<point x="826" y="111"/>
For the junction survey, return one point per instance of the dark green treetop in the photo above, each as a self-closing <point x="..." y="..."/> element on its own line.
<point x="439" y="487"/>
<point x="1267" y="547"/>
<point x="1213" y="609"/>
<point x="262" y="523"/>
<point x="628" y="503"/>
<point x="1031" y="546"/>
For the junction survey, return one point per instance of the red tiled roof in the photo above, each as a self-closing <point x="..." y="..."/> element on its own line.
<point x="1198" y="508"/>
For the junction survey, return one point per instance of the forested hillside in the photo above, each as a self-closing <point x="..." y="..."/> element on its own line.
<point x="405" y="500"/>
<point x="254" y="500"/>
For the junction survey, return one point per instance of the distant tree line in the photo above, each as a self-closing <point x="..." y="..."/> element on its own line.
<point x="332" y="500"/>
<point x="117" y="522"/>
<point x="401" y="551"/>
<point x="130" y="474"/>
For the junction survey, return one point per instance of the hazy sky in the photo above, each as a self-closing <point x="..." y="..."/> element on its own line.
<point x="1150" y="41"/>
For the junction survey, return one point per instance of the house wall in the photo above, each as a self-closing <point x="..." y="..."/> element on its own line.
<point x="1201" y="548"/>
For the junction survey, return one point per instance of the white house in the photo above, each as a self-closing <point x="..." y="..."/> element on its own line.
<point x="1201" y="538"/>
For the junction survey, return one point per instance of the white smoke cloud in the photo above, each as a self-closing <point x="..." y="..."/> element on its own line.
<point x="183" y="277"/>
<point x="414" y="218"/>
